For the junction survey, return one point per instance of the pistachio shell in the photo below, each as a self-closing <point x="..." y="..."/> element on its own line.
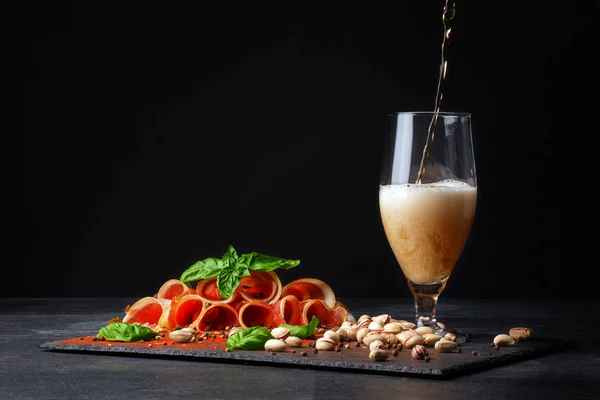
<point x="431" y="339"/>
<point x="181" y="336"/>
<point x="333" y="335"/>
<point x="419" y="352"/>
<point x="275" y="345"/>
<point x="378" y="355"/>
<point x="383" y="318"/>
<point x="325" y="344"/>
<point x="376" y="326"/>
<point x="520" y="333"/>
<point x="422" y="330"/>
<point x="280" y="333"/>
<point x="414" y="341"/>
<point x="293" y="341"/>
<point x="503" y="340"/>
<point x="372" y="336"/>
<point x="376" y="344"/>
<point x="445" y="346"/>
<point x="361" y="333"/>
<point x="393" y="327"/>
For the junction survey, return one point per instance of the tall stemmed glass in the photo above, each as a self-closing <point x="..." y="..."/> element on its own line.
<point x="427" y="200"/>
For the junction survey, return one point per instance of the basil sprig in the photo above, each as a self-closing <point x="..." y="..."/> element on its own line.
<point x="253" y="338"/>
<point x="124" y="332"/>
<point x="230" y="268"/>
<point x="303" y="331"/>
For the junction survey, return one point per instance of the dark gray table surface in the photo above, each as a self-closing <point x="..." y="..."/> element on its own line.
<point x="29" y="372"/>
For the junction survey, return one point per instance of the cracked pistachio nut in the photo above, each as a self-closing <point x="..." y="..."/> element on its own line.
<point x="423" y="330"/>
<point x="372" y="336"/>
<point x="280" y="333"/>
<point x="293" y="341"/>
<point x="361" y="333"/>
<point x="503" y="340"/>
<point x="383" y="318"/>
<point x="376" y="344"/>
<point x="393" y="327"/>
<point x="419" y="352"/>
<point x="520" y="333"/>
<point x="445" y="346"/>
<point x="333" y="335"/>
<point x="415" y="340"/>
<point x="181" y="336"/>
<point x="325" y="344"/>
<point x="375" y="326"/>
<point x="391" y="339"/>
<point x="275" y="345"/>
<point x="431" y="339"/>
<point x="378" y="355"/>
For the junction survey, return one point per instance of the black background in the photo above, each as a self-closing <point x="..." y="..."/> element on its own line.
<point x="157" y="134"/>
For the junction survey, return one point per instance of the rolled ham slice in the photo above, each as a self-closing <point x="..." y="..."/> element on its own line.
<point x="146" y="310"/>
<point x="287" y="311"/>
<point x="329" y="318"/>
<point x="256" y="313"/>
<point x="310" y="289"/>
<point x="216" y="317"/>
<point x="171" y="288"/>
<point x="263" y="286"/>
<point x="209" y="291"/>
<point x="184" y="310"/>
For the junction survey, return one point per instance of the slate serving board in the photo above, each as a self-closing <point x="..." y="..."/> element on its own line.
<point x="440" y="365"/>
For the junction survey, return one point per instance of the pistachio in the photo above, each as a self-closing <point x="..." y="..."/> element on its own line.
<point x="293" y="341"/>
<point x="190" y="330"/>
<point x="343" y="332"/>
<point x="378" y="355"/>
<point x="407" y="325"/>
<point x="364" y="317"/>
<point x="376" y="344"/>
<point x="393" y="327"/>
<point x="372" y="336"/>
<point x="520" y="333"/>
<point x="352" y="333"/>
<point x="431" y="339"/>
<point x="325" y="344"/>
<point x="413" y="341"/>
<point x="346" y="324"/>
<point x="420" y="352"/>
<point x="181" y="336"/>
<point x="275" y="345"/>
<point x="423" y="330"/>
<point x="390" y="339"/>
<point x="364" y="323"/>
<point x="375" y="326"/>
<point x="280" y="333"/>
<point x="383" y="318"/>
<point x="445" y="346"/>
<point x="361" y="333"/>
<point x="450" y="336"/>
<point x="441" y="326"/>
<point x="503" y="340"/>
<point x="333" y="335"/>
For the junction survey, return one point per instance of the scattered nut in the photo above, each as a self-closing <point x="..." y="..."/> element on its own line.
<point x="378" y="355"/>
<point x="520" y="333"/>
<point x="420" y="352"/>
<point x="503" y="340"/>
<point x="293" y="341"/>
<point x="333" y="335"/>
<point x="181" y="336"/>
<point x="275" y="345"/>
<point x="445" y="346"/>
<point x="325" y="344"/>
<point x="424" y="330"/>
<point x="280" y="333"/>
<point x="431" y="339"/>
<point x="376" y="344"/>
<point x="450" y="336"/>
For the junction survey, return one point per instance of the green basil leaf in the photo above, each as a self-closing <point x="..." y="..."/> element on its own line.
<point x="303" y="331"/>
<point x="124" y="332"/>
<point x="262" y="263"/>
<point x="227" y="281"/>
<point x="253" y="338"/>
<point x="203" y="269"/>
<point x="231" y="256"/>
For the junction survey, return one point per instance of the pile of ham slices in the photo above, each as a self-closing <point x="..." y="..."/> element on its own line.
<point x="259" y="300"/>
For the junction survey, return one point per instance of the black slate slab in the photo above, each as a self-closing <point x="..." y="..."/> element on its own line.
<point x="476" y="355"/>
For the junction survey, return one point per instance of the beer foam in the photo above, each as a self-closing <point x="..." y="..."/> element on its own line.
<point x="445" y="185"/>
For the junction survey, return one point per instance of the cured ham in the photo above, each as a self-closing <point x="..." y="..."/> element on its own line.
<point x="146" y="310"/>
<point x="264" y="286"/>
<point x="171" y="288"/>
<point x="184" y="310"/>
<point x="209" y="291"/>
<point x="287" y="311"/>
<point x="309" y="289"/>
<point x="256" y="313"/>
<point x="259" y="300"/>
<point x="329" y="318"/>
<point x="216" y="317"/>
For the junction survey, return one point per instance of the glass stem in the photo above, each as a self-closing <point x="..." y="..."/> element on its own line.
<point x="425" y="311"/>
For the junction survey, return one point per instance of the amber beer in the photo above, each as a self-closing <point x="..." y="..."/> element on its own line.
<point x="427" y="226"/>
